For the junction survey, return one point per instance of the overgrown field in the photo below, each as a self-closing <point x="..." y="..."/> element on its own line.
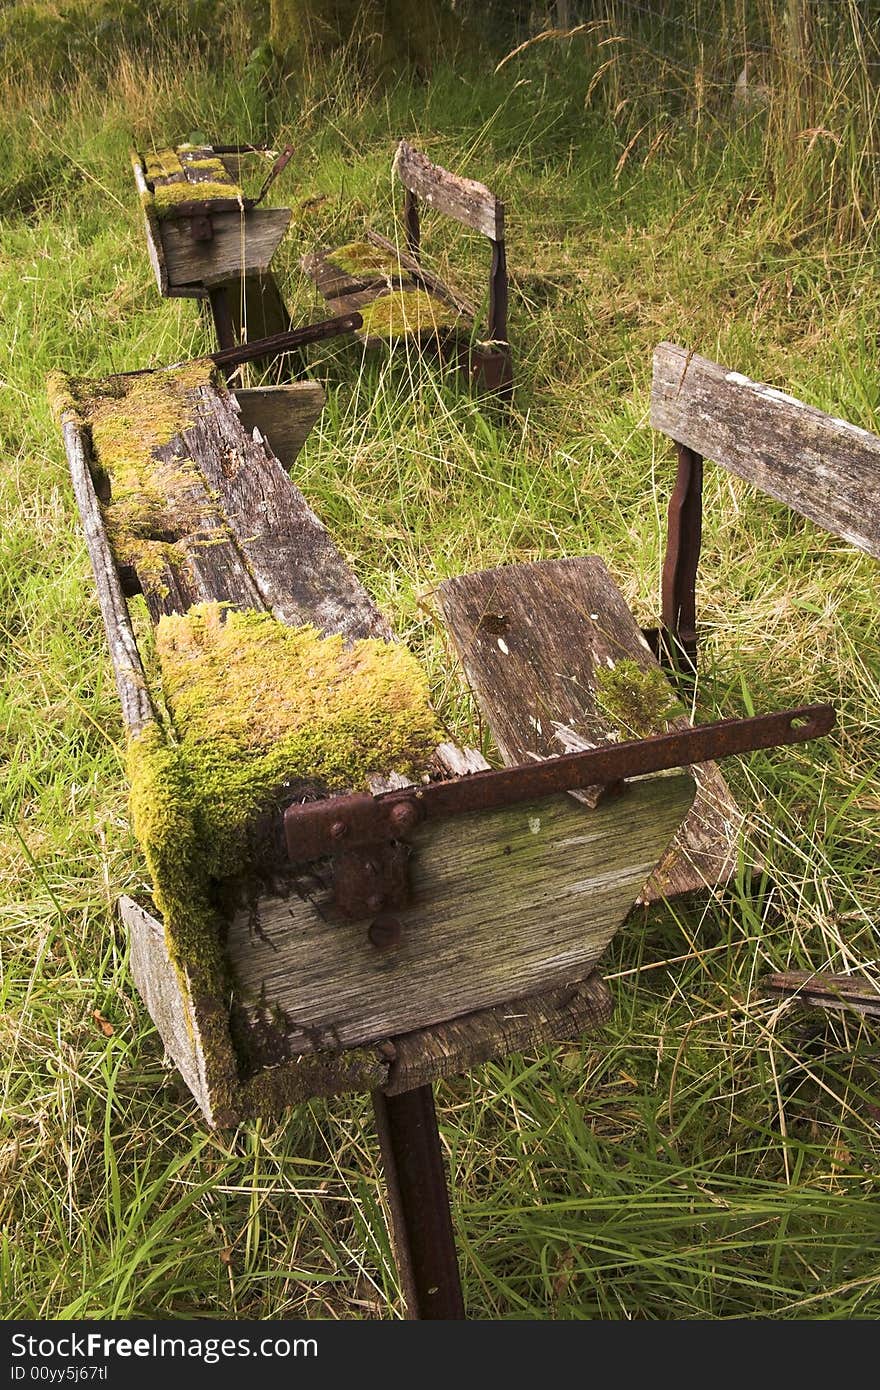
<point x="710" y="1153"/>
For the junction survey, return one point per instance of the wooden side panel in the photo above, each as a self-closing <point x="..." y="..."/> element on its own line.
<point x="504" y="904"/>
<point x="533" y="641"/>
<point x="820" y="466"/>
<point x="469" y="202"/>
<point x="242" y="244"/>
<point x="169" y="1006"/>
<point x="151" y="225"/>
<point x="131" y="682"/>
<point x="284" y="415"/>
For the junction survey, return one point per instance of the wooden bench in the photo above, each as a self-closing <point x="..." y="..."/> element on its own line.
<point x="207" y="240"/>
<point x="316" y="941"/>
<point x="822" y="467"/>
<point x="400" y="299"/>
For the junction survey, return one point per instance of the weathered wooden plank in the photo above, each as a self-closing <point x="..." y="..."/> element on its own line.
<point x="334" y="282"/>
<point x="168" y="1004"/>
<point x="504" y="904"/>
<point x="826" y="991"/>
<point x="131" y="683"/>
<point x="243" y="243"/>
<point x="151" y="225"/>
<point x="469" y="202"/>
<point x="536" y="643"/>
<point x="822" y="467"/>
<point x="284" y="415"/>
<point x="559" y="1015"/>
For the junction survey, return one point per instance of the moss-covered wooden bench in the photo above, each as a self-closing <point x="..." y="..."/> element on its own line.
<point x="341" y="899"/>
<point x="399" y="298"/>
<point x="822" y="467"/>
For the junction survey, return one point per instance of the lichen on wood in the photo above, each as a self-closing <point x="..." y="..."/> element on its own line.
<point x="405" y="312"/>
<point x="167" y="196"/>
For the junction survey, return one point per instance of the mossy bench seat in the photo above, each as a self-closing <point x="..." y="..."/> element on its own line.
<point x="262" y="675"/>
<point x="400" y="299"/>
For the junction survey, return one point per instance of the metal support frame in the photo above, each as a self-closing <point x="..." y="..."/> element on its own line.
<point x="418" y="1196"/>
<point x="678" y="639"/>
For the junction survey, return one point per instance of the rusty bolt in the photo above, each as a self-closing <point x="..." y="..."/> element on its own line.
<point x="385" y="933"/>
<point x="338" y="830"/>
<point x="403" y="816"/>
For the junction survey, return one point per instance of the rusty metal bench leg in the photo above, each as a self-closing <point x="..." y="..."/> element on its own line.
<point x="424" y="1244"/>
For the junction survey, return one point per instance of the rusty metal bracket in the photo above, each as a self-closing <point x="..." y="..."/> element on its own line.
<point x="366" y="835"/>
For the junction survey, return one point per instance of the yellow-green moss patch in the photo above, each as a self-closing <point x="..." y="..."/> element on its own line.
<point x="167" y="196"/>
<point x="131" y="418"/>
<point x="639" y="700"/>
<point x="405" y="312"/>
<point x="258" y="705"/>
<point x="360" y="258"/>
<point x="162" y="164"/>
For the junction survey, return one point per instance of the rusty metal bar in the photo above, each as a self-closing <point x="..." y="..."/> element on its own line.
<point x="287" y="342"/>
<point x="422" y="1234"/>
<point x="683" y="540"/>
<point x="412" y="224"/>
<point x="345" y="822"/>
<point x="498" y="294"/>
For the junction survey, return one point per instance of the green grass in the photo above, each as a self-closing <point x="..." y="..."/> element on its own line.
<point x="709" y="1153"/>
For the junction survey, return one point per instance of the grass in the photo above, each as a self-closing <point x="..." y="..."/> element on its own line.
<point x="709" y="1154"/>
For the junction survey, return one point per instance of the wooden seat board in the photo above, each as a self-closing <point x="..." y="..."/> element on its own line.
<point x="531" y="639"/>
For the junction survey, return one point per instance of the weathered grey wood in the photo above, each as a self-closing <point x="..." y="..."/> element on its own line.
<point x="131" y="683"/>
<point x="836" y="992"/>
<point x="168" y="1003"/>
<point x="284" y="415"/>
<point x="151" y="224"/>
<point x="242" y="244"/>
<point x="531" y="639"/>
<point x="565" y="1014"/>
<point x="466" y="200"/>
<point x="504" y="904"/>
<point x="820" y="466"/>
<point x="334" y="283"/>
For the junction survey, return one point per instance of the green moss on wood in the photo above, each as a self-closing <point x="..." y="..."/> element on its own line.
<point x="131" y="419"/>
<point x="637" y="699"/>
<point x="167" y="196"/>
<point x="258" y="705"/>
<point x="162" y="164"/>
<point x="360" y="258"/>
<point x="404" y="312"/>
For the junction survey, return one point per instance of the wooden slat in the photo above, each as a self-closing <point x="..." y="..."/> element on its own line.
<point x="284" y="415"/>
<point x="504" y="904"/>
<point x="824" y="468"/>
<point x="334" y="283"/>
<point x="469" y="202"/>
<point x="826" y="991"/>
<point x="131" y="683"/>
<point x="531" y="639"/>
<point x="425" y="277"/>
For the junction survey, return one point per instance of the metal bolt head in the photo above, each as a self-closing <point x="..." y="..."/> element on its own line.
<point x="338" y="830"/>
<point x="385" y="933"/>
<point x="404" y="815"/>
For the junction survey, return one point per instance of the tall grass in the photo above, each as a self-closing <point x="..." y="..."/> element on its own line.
<point x="709" y="1154"/>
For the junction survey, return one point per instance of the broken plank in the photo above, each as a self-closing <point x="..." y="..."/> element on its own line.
<point x="534" y="641"/>
<point x="826" y="991"/>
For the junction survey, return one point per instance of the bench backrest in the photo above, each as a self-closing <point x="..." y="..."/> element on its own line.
<point x="824" y="468"/>
<point x="468" y="202"/>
